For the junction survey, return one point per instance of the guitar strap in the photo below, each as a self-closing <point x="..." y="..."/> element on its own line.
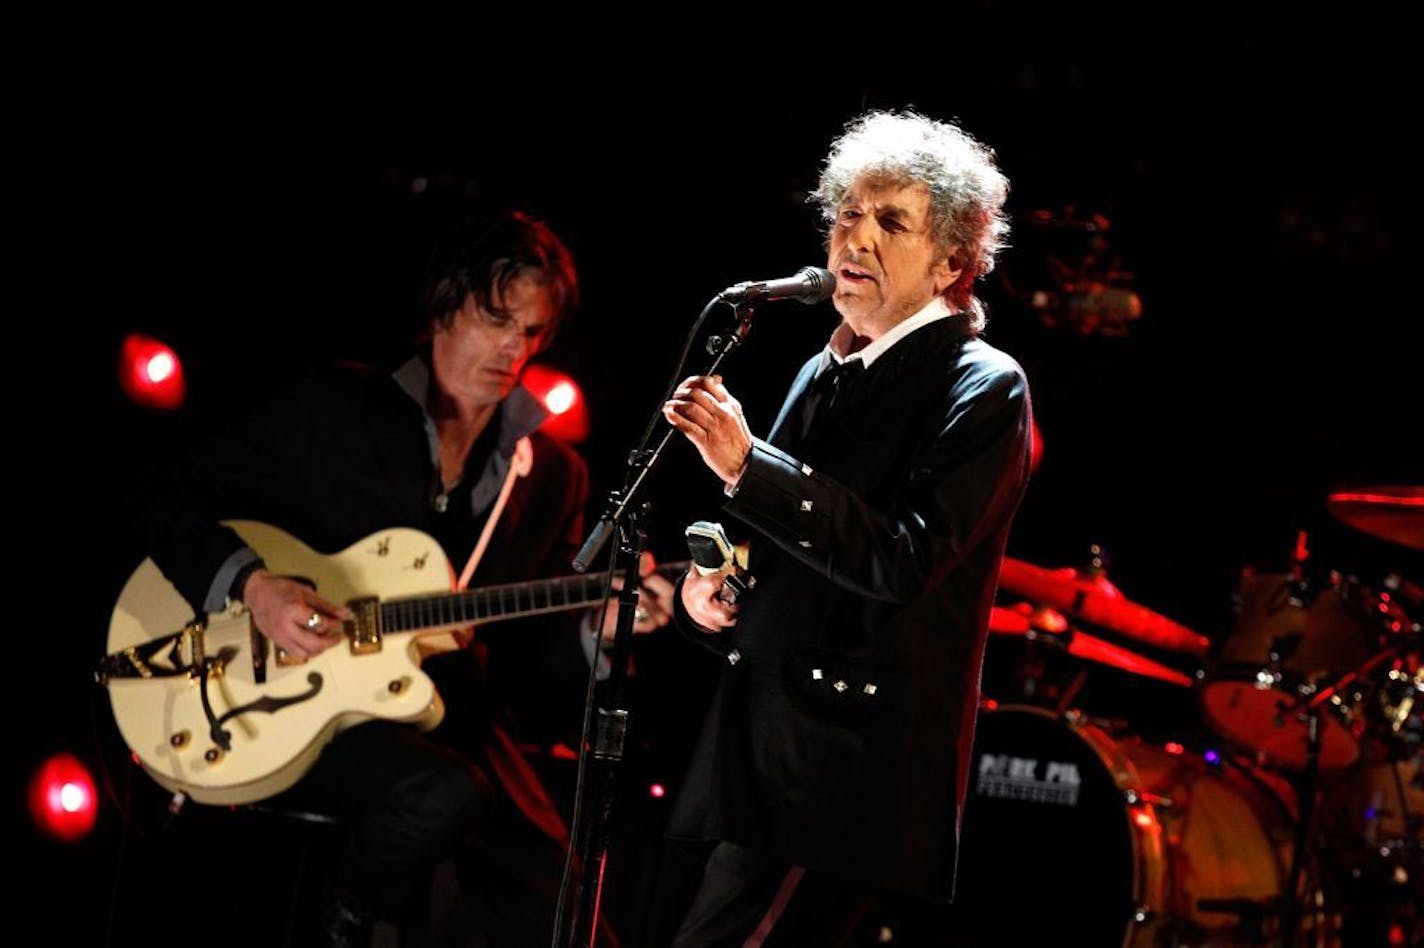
<point x="501" y="750"/>
<point x="520" y="464"/>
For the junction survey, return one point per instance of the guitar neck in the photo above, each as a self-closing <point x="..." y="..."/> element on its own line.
<point x="508" y="601"/>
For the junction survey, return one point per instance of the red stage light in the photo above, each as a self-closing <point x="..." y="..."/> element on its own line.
<point x="561" y="398"/>
<point x="657" y="790"/>
<point x="150" y="373"/>
<point x="568" y="412"/>
<point x="63" y="801"/>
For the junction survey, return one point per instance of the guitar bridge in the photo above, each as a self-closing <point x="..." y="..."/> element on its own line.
<point x="173" y="655"/>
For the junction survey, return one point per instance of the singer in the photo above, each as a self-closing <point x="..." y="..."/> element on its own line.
<point x="832" y="766"/>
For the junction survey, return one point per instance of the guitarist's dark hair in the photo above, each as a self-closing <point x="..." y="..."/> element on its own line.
<point x="480" y="256"/>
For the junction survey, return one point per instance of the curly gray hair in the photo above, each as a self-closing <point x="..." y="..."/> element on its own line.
<point x="966" y="188"/>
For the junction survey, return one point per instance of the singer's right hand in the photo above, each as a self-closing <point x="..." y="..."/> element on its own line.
<point x="703" y="410"/>
<point x="700" y="597"/>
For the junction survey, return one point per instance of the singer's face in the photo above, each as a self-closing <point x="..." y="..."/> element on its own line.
<point x="885" y="262"/>
<point x="479" y="356"/>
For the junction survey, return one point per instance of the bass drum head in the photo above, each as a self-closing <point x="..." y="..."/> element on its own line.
<point x="1046" y="853"/>
<point x="1377" y="806"/>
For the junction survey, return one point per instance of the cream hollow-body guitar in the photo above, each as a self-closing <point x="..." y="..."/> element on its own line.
<point x="210" y="708"/>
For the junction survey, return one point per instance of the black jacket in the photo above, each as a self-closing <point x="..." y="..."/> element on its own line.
<point x="840" y="735"/>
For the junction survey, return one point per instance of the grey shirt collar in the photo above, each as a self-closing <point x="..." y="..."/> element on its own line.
<point x="519" y="414"/>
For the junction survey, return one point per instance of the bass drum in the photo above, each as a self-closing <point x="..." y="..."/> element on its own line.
<point x="1372" y="833"/>
<point x="1072" y="836"/>
<point x="1379" y="805"/>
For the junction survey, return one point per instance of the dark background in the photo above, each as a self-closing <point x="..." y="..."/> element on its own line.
<point x="256" y="191"/>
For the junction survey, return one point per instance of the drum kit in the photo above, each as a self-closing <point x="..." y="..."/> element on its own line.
<point x="1291" y="816"/>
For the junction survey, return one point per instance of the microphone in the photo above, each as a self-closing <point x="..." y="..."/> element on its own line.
<point x="809" y="285"/>
<point x="712" y="553"/>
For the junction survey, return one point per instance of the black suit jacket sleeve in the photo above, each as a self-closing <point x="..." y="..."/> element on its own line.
<point x="959" y="489"/>
<point x="256" y="468"/>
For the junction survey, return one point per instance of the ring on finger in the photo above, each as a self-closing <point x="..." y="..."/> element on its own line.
<point x="314" y="621"/>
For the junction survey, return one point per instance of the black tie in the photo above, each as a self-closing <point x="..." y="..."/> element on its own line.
<point x="828" y="389"/>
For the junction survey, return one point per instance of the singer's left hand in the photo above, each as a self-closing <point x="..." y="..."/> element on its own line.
<point x="703" y="410"/>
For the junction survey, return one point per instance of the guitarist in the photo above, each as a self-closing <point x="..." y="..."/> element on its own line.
<point x="340" y="454"/>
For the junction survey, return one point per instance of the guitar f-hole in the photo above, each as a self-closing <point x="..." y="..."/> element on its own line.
<point x="259" y="651"/>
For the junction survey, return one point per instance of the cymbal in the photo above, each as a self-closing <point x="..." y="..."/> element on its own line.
<point x="1094" y="599"/>
<point x="1083" y="645"/>
<point x="1048" y="626"/>
<point x="1006" y="621"/>
<point x="1388" y="511"/>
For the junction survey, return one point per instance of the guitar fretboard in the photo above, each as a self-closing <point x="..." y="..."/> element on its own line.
<point x="510" y="601"/>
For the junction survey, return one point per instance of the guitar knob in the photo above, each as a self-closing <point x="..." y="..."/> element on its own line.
<point x="213" y="754"/>
<point x="179" y="739"/>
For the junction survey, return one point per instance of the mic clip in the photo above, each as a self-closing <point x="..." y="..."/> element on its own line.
<point x="739" y="293"/>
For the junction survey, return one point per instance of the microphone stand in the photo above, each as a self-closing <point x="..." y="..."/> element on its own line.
<point x="605" y="751"/>
<point x="642" y="460"/>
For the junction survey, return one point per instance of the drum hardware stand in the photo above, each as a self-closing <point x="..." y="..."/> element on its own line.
<point x="1290" y="901"/>
<point x="1306" y="791"/>
<point x="1299" y="556"/>
<point x="1030" y="672"/>
<point x="1282" y="648"/>
<point x="1330" y="693"/>
<point x="1397" y="713"/>
<point x="1070" y="694"/>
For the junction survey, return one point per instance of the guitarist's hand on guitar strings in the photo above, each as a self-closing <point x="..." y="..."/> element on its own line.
<point x="354" y="685"/>
<point x="292" y="615"/>
<point x="654" y="601"/>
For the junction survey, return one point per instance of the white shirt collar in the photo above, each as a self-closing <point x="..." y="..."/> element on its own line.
<point x="842" y="338"/>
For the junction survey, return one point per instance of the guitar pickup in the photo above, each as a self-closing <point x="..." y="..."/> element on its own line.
<point x="364" y="631"/>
